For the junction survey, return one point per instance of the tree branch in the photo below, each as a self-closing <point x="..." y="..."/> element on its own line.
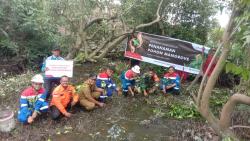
<point x="239" y="126"/>
<point x="111" y="45"/>
<point x="204" y="79"/>
<point x="200" y="72"/>
<point x="93" y="35"/>
<point x="97" y="20"/>
<point x="4" y="33"/>
<point x="100" y="48"/>
<point x="228" y="108"/>
<point x="158" y="18"/>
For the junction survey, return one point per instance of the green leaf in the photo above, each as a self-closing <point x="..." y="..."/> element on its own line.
<point x="229" y="67"/>
<point x="237" y="70"/>
<point x="245" y="74"/>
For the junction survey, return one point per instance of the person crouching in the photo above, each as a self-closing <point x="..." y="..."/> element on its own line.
<point x="105" y="82"/>
<point x="128" y="80"/>
<point x="148" y="82"/>
<point x="32" y="101"/>
<point x="171" y="82"/>
<point x="64" y="97"/>
<point x="89" y="93"/>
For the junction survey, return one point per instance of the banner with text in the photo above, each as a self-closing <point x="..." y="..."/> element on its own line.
<point x="165" y="51"/>
<point x="58" y="68"/>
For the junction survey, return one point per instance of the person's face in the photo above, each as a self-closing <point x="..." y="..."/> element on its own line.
<point x="171" y="70"/>
<point x="64" y="81"/>
<point x="135" y="74"/>
<point x="56" y="52"/>
<point x="37" y="86"/>
<point x="110" y="72"/>
<point x="151" y="73"/>
<point x="92" y="81"/>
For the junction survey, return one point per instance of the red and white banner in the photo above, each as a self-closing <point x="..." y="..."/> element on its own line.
<point x="59" y="68"/>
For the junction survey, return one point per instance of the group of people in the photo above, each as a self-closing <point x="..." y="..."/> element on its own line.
<point x="91" y="93"/>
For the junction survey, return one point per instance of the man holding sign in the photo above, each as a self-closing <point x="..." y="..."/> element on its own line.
<point x="49" y="80"/>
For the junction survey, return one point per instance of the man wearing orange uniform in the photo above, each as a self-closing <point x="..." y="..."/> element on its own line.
<point x="63" y="98"/>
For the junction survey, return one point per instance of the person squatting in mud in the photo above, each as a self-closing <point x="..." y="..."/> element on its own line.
<point x="104" y="81"/>
<point x="148" y="83"/>
<point x="32" y="101"/>
<point x="89" y="94"/>
<point x="128" y="80"/>
<point x="64" y="97"/>
<point x="170" y="83"/>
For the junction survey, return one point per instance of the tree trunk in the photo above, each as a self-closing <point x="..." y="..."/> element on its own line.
<point x="78" y="43"/>
<point x="73" y="50"/>
<point x="228" y="108"/>
<point x="85" y="44"/>
<point x="100" y="48"/>
<point x="206" y="94"/>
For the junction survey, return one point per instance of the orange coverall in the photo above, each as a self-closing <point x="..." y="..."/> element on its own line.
<point x="62" y="96"/>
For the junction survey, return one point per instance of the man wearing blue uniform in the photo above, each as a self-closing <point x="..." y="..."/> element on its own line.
<point x="50" y="80"/>
<point x="105" y="82"/>
<point x="32" y="101"/>
<point x="171" y="82"/>
<point x="128" y="80"/>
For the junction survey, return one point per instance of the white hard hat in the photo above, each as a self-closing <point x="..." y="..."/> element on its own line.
<point x="136" y="69"/>
<point x="38" y="78"/>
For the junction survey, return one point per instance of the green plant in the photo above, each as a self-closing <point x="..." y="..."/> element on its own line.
<point x="158" y="112"/>
<point x="218" y="101"/>
<point x="238" y="70"/>
<point x="227" y="139"/>
<point x="183" y="111"/>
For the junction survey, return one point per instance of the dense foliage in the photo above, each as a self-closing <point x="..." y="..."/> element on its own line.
<point x="23" y="31"/>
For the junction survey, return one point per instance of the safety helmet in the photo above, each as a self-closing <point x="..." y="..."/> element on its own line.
<point x="136" y="69"/>
<point x="38" y="78"/>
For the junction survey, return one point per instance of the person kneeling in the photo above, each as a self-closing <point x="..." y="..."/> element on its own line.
<point x="128" y="80"/>
<point x="89" y="93"/>
<point x="171" y="82"/>
<point x="105" y="82"/>
<point x="148" y="82"/>
<point x="32" y="101"/>
<point x="64" y="97"/>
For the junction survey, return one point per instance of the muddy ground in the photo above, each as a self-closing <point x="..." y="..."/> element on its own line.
<point x="130" y="115"/>
<point x="126" y="119"/>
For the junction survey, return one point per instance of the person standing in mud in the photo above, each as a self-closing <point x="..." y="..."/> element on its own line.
<point x="128" y="80"/>
<point x="64" y="97"/>
<point x="32" y="101"/>
<point x="105" y="82"/>
<point x="89" y="93"/>
<point x="171" y="82"/>
<point x="49" y="81"/>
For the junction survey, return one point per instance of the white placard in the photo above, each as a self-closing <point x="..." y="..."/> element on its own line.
<point x="58" y="68"/>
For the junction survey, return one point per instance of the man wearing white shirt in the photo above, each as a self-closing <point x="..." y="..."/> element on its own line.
<point x="49" y="81"/>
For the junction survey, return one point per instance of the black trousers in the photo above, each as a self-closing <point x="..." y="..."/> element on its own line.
<point x="49" y="84"/>
<point x="55" y="112"/>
